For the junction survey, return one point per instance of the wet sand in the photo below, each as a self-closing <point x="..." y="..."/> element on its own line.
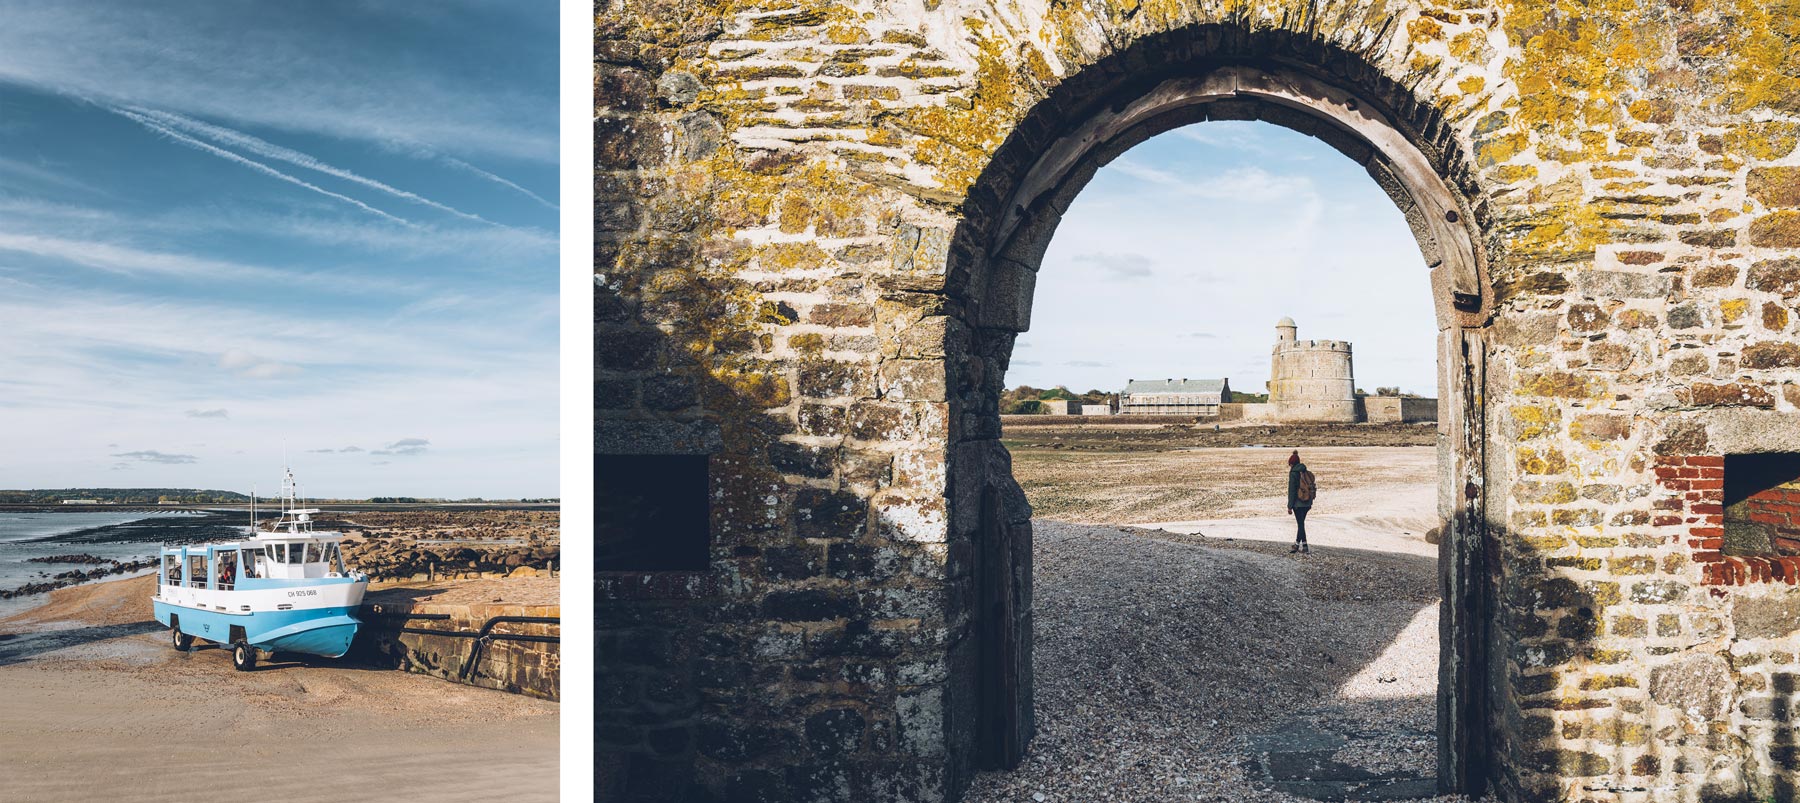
<point x="1132" y="486"/>
<point x="97" y="705"/>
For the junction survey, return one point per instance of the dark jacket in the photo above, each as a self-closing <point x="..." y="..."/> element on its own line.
<point x="1294" y="486"/>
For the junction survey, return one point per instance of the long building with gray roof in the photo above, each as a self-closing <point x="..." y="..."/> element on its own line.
<point x="1174" y="396"/>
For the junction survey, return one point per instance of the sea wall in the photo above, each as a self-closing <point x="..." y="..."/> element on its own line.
<point x="494" y="646"/>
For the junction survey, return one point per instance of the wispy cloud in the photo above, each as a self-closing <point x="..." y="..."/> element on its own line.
<point x="405" y="446"/>
<point x="41" y="175"/>
<point x="1118" y="267"/>
<point x="245" y="364"/>
<point x="125" y="260"/>
<point x="1238" y="139"/>
<point x="153" y="456"/>
<point x="219" y="412"/>
<point x="251" y="163"/>
<point x="1086" y="364"/>
<point x="338" y="74"/>
<point x="1240" y="184"/>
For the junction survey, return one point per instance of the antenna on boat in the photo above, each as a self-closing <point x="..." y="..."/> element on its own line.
<point x="253" y="509"/>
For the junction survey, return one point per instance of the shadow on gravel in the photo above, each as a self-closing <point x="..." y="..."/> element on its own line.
<point x="1300" y="755"/>
<point x="1177" y="666"/>
<point x="20" y="647"/>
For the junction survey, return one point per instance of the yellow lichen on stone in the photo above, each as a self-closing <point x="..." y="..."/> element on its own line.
<point x="1576" y="59"/>
<point x="1758" y="36"/>
<point x="1766" y="140"/>
<point x="956" y="143"/>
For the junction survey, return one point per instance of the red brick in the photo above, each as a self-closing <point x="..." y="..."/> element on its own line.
<point x="1707" y="532"/>
<point x="1717" y="461"/>
<point x="1665" y="521"/>
<point x="1707" y="485"/>
<point x="1675" y="485"/>
<point x="1667" y="472"/>
<point x="1708" y="508"/>
<point x="1713" y="473"/>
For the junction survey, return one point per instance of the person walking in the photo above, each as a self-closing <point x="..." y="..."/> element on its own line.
<point x="1301" y="490"/>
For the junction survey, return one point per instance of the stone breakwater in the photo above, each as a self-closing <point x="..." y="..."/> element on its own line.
<point x="77" y="576"/>
<point x="404" y="560"/>
<point x="83" y="558"/>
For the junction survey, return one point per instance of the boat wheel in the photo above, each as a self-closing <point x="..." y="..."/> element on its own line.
<point x="243" y="657"/>
<point x="179" y="640"/>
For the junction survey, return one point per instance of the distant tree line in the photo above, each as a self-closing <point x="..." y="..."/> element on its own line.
<point x="122" y="496"/>
<point x="1027" y="400"/>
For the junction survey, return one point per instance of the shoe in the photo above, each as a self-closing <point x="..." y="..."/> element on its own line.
<point x="1294" y="548"/>
<point x="1306" y="549"/>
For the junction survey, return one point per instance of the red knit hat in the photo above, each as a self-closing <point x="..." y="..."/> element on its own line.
<point x="1294" y="458"/>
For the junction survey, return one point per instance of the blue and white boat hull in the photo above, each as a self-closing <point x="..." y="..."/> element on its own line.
<point x="312" y="616"/>
<point x="324" y="632"/>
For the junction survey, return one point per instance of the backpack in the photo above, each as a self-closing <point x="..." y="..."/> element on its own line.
<point x="1306" y="489"/>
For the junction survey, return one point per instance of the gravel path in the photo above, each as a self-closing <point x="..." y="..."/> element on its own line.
<point x="1167" y="666"/>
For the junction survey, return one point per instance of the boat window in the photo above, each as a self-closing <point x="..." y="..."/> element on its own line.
<point x="196" y="572"/>
<point x="296" y="553"/>
<point x="269" y="549"/>
<point x="249" y="561"/>
<point x="171" y="570"/>
<point x="334" y="558"/>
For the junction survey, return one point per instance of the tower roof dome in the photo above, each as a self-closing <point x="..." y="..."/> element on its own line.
<point x="1285" y="321"/>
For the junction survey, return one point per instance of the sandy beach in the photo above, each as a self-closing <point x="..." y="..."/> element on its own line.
<point x="98" y="705"/>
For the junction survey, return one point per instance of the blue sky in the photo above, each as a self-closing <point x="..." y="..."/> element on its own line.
<point x="1180" y="256"/>
<point x="233" y="229"/>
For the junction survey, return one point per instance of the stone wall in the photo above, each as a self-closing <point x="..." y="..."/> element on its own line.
<point x="818" y="230"/>
<point x="1397" y="410"/>
<point x="532" y="668"/>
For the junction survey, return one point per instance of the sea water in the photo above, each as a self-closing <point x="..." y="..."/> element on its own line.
<point x="105" y="534"/>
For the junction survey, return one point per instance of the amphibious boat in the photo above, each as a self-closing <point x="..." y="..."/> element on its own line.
<point x="285" y="589"/>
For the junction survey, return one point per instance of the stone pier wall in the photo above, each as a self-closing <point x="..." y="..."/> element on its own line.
<point x="521" y="667"/>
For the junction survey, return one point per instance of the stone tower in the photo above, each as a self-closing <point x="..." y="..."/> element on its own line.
<point x="1310" y="380"/>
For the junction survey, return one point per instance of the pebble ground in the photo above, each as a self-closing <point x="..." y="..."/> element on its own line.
<point x="1158" y="656"/>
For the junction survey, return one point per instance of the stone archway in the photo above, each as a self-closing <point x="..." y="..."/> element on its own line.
<point x="1001" y="263"/>
<point x="816" y="222"/>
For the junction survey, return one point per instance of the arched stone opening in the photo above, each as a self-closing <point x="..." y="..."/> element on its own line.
<point x="1162" y="83"/>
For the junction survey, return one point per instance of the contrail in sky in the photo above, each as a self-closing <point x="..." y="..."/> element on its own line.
<point x="252" y="164"/>
<point x="270" y="150"/>
<point x="458" y="163"/>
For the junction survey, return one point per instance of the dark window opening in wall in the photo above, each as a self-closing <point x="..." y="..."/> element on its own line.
<point x="1762" y="504"/>
<point x="650" y="513"/>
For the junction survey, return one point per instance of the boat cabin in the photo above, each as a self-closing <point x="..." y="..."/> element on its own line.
<point x="269" y="556"/>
